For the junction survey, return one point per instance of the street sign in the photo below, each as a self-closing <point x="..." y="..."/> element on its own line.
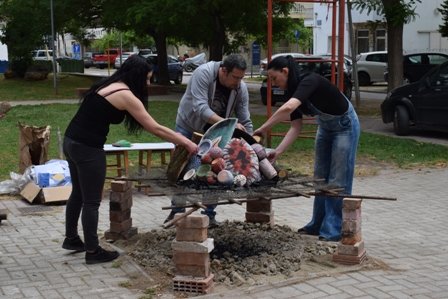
<point x="255" y="53"/>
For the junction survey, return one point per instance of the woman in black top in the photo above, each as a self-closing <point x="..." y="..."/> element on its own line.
<point x="121" y="97"/>
<point x="336" y="139"/>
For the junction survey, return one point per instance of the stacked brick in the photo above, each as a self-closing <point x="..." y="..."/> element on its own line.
<point x="191" y="255"/>
<point x="260" y="211"/>
<point x="120" y="211"/>
<point x="351" y="249"/>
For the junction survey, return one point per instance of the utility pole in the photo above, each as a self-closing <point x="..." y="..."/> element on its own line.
<point x="55" y="84"/>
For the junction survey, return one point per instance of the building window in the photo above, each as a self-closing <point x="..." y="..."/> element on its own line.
<point x="380" y="40"/>
<point x="363" y="40"/>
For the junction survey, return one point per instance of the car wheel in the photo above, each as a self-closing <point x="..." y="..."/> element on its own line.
<point x="179" y="78"/>
<point x="401" y="121"/>
<point x="363" y="79"/>
<point x="189" y="68"/>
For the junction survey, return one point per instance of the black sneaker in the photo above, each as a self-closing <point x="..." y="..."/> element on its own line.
<point x="101" y="256"/>
<point x="74" y="244"/>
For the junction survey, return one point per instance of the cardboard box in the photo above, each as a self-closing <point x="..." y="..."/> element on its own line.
<point x="34" y="194"/>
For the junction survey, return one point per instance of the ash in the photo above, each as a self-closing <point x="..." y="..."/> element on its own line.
<point x="243" y="252"/>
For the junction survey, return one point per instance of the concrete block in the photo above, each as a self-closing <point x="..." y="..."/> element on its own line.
<point x="193" y="221"/>
<point x="351" y="203"/>
<point x="119" y="216"/>
<point x="120" y="186"/>
<point x="191" y="234"/>
<point x="119" y="227"/>
<point x="260" y="205"/>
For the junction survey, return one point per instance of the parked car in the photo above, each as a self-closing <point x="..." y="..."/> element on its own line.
<point x="422" y="104"/>
<point x="42" y="54"/>
<point x="415" y="65"/>
<point x="145" y="52"/>
<point x="264" y="62"/>
<point x="175" y="70"/>
<point x="88" y="59"/>
<point x="318" y="64"/>
<point x="371" y="67"/>
<point x="124" y="56"/>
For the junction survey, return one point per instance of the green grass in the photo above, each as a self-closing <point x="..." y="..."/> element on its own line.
<point x="18" y="89"/>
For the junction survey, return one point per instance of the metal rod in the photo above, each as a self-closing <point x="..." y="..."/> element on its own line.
<point x="353" y="196"/>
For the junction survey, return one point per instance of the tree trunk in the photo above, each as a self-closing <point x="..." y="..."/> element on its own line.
<point x="218" y="41"/>
<point x="395" y="56"/>
<point x="394" y="46"/>
<point x="162" y="58"/>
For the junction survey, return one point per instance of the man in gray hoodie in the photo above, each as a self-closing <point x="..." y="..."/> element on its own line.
<point x="215" y="92"/>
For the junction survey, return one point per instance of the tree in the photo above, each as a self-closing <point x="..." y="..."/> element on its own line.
<point x="443" y="29"/>
<point x="397" y="13"/>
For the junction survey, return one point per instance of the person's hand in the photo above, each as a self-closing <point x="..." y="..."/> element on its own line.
<point x="273" y="155"/>
<point x="241" y="127"/>
<point x="259" y="132"/>
<point x="191" y="147"/>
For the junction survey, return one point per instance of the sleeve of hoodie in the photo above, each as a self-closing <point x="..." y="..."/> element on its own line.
<point x="242" y="109"/>
<point x="201" y="80"/>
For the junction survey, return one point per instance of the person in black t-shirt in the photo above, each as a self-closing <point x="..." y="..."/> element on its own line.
<point x="336" y="138"/>
<point x="120" y="97"/>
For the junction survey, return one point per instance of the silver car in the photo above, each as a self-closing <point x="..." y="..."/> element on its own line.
<point x="371" y="67"/>
<point x="124" y="56"/>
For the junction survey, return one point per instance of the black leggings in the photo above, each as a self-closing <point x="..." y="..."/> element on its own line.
<point x="88" y="172"/>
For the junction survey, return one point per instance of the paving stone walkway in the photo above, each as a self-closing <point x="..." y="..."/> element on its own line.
<point x="408" y="235"/>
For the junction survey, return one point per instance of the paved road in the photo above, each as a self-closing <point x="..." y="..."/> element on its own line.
<point x="407" y="236"/>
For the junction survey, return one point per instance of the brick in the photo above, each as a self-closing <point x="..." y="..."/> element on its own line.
<point x="351" y="214"/>
<point x="351" y="226"/>
<point x="109" y="235"/>
<point x="193" y="270"/>
<point x="260" y="217"/>
<point x="197" y="247"/>
<point x="123" y="205"/>
<point x="350" y="259"/>
<point x="119" y="216"/>
<point x="351" y="203"/>
<point x="120" y="196"/>
<point x="191" y="234"/>
<point x="191" y="258"/>
<point x="191" y="285"/>
<point x="193" y="221"/>
<point x="119" y="227"/>
<point x="351" y="239"/>
<point x="120" y="186"/>
<point x="260" y="205"/>
<point x="355" y="249"/>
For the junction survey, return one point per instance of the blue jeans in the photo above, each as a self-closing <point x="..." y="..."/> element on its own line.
<point x="335" y="153"/>
<point x="177" y="200"/>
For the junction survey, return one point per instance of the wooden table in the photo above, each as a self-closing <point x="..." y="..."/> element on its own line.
<point x="145" y="150"/>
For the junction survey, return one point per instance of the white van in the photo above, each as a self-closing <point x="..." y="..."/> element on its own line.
<point x="42" y="55"/>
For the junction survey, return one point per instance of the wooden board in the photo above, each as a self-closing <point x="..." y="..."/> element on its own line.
<point x="179" y="160"/>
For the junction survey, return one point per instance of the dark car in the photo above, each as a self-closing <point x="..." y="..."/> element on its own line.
<point x="422" y="104"/>
<point x="415" y="65"/>
<point x="318" y="64"/>
<point x="175" y="71"/>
